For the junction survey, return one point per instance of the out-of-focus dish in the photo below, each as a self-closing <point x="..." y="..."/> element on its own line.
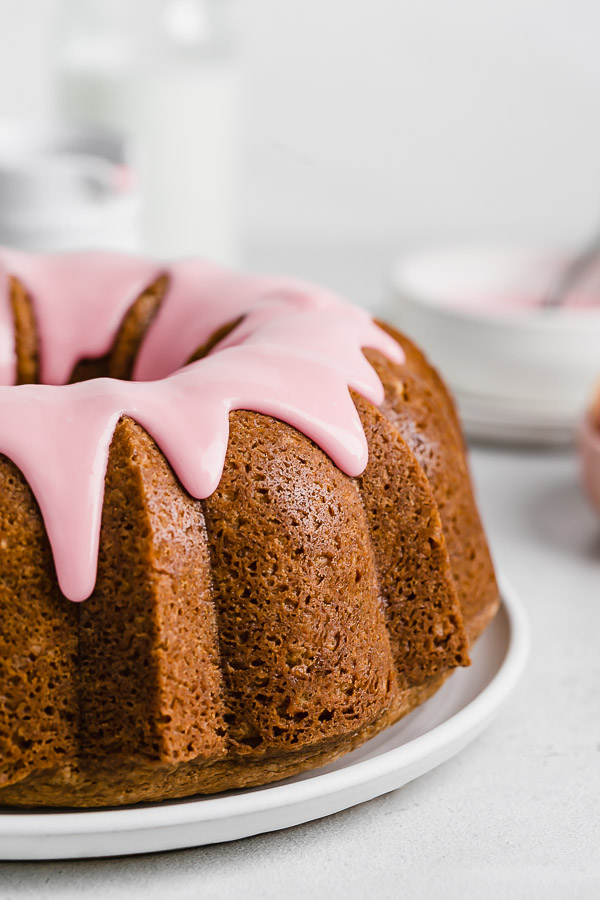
<point x="520" y="371"/>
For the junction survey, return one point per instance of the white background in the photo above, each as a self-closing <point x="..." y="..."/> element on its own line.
<point x="393" y="123"/>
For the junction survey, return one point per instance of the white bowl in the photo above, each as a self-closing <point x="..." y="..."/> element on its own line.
<point x="515" y="368"/>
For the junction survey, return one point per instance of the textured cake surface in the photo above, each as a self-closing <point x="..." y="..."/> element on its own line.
<point x="241" y="636"/>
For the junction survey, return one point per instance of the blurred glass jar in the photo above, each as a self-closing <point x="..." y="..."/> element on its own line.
<point x="165" y="72"/>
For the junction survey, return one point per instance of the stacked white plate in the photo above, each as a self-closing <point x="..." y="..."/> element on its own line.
<point x="506" y="419"/>
<point x="520" y="371"/>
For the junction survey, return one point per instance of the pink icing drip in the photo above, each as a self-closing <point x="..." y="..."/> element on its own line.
<point x="79" y="302"/>
<point x="294" y="356"/>
<point x="202" y="298"/>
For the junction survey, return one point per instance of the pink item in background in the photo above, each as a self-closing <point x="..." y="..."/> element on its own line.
<point x="520" y="372"/>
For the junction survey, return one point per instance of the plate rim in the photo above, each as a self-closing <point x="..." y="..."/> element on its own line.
<point x="469" y="720"/>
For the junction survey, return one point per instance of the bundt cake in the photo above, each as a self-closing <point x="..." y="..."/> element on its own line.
<point x="261" y="497"/>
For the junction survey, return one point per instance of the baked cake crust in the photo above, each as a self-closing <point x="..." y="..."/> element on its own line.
<point x="241" y="638"/>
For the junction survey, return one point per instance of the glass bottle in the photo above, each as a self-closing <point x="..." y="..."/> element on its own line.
<point x="165" y="72"/>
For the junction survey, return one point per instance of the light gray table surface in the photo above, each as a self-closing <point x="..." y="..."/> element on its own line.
<point x="516" y="814"/>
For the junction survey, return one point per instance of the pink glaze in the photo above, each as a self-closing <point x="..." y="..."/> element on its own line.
<point x="80" y="300"/>
<point x="294" y="356"/>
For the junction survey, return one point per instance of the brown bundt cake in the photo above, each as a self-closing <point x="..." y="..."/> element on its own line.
<point x="185" y="451"/>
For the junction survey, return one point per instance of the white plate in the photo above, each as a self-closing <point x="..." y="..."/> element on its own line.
<point x="427" y="737"/>
<point x="507" y="421"/>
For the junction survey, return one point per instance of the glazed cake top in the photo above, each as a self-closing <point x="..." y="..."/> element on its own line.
<point x="295" y="355"/>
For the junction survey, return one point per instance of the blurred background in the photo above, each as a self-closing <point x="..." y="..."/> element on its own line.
<point x="328" y="140"/>
<point x="362" y="128"/>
